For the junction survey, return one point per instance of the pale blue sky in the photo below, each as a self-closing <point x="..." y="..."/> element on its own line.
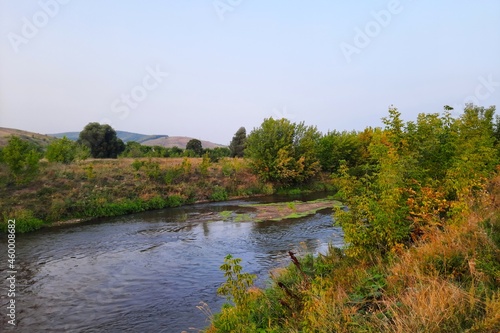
<point x="232" y="63"/>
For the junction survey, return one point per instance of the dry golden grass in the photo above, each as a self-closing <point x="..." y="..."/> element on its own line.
<point x="442" y="284"/>
<point x="438" y="284"/>
<point x="429" y="306"/>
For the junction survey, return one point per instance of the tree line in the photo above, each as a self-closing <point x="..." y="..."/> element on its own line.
<point x="279" y="150"/>
<point x="95" y="141"/>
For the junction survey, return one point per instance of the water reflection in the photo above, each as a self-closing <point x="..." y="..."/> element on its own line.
<point x="147" y="272"/>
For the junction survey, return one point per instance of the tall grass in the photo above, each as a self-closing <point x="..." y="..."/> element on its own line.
<point x="101" y="188"/>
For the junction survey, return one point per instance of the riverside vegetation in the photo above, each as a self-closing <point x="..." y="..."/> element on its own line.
<point x="68" y="181"/>
<point x="422" y="228"/>
<point x="422" y="239"/>
<point x="100" y="188"/>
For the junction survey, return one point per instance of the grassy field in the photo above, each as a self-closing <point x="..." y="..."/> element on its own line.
<point x="97" y="188"/>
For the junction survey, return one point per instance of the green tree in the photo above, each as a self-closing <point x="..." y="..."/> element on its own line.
<point x="335" y="147"/>
<point x="82" y="152"/>
<point x="424" y="170"/>
<point x="432" y="139"/>
<point x="133" y="149"/>
<point x="195" y="146"/>
<point x="475" y="155"/>
<point x="174" y="152"/>
<point x="22" y="158"/>
<point x="217" y="153"/>
<point x="62" y="150"/>
<point x="284" y="152"/>
<point x="101" y="140"/>
<point x="238" y="143"/>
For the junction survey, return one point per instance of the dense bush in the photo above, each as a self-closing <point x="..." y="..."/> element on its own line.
<point x="62" y="151"/>
<point x="25" y="221"/>
<point x="284" y="152"/>
<point x="22" y="159"/>
<point x="425" y="170"/>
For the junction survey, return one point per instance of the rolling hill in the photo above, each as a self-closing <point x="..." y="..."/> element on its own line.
<point x="148" y="140"/>
<point x="179" y="141"/>
<point x="39" y="139"/>
<point x="125" y="136"/>
<point x="144" y="139"/>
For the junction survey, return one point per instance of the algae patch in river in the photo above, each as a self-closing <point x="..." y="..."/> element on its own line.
<point x="279" y="211"/>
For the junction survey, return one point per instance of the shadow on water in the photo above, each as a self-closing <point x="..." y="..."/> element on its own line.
<point x="147" y="272"/>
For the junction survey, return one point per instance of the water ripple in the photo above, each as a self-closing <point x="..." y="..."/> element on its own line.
<point x="147" y="272"/>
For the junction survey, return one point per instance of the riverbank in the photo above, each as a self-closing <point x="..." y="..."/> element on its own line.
<point x="64" y="194"/>
<point x="446" y="282"/>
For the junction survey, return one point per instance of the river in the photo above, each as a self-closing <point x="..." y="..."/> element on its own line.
<point x="148" y="272"/>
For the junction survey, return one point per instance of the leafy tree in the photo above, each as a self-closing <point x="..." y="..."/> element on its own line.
<point x="217" y="153"/>
<point x="82" y="152"/>
<point x="22" y="158"/>
<point x="133" y="149"/>
<point x="284" y="152"/>
<point x="238" y="143"/>
<point x="424" y="171"/>
<point x="432" y="139"/>
<point x="496" y="131"/>
<point x="174" y="152"/>
<point x="335" y="147"/>
<point x="195" y="146"/>
<point x="101" y="140"/>
<point x="136" y="150"/>
<point x="475" y="155"/>
<point x="62" y="150"/>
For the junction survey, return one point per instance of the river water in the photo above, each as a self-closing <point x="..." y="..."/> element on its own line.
<point x="147" y="272"/>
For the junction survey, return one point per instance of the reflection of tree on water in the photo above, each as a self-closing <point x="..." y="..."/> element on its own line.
<point x="182" y="217"/>
<point x="206" y="229"/>
<point x="290" y="234"/>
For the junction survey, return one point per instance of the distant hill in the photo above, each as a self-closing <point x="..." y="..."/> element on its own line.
<point x="40" y="139"/>
<point x="179" y="141"/>
<point x="125" y="136"/>
<point x="147" y="140"/>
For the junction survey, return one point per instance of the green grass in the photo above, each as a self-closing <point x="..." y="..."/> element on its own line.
<point x="24" y="221"/>
<point x="104" y="188"/>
